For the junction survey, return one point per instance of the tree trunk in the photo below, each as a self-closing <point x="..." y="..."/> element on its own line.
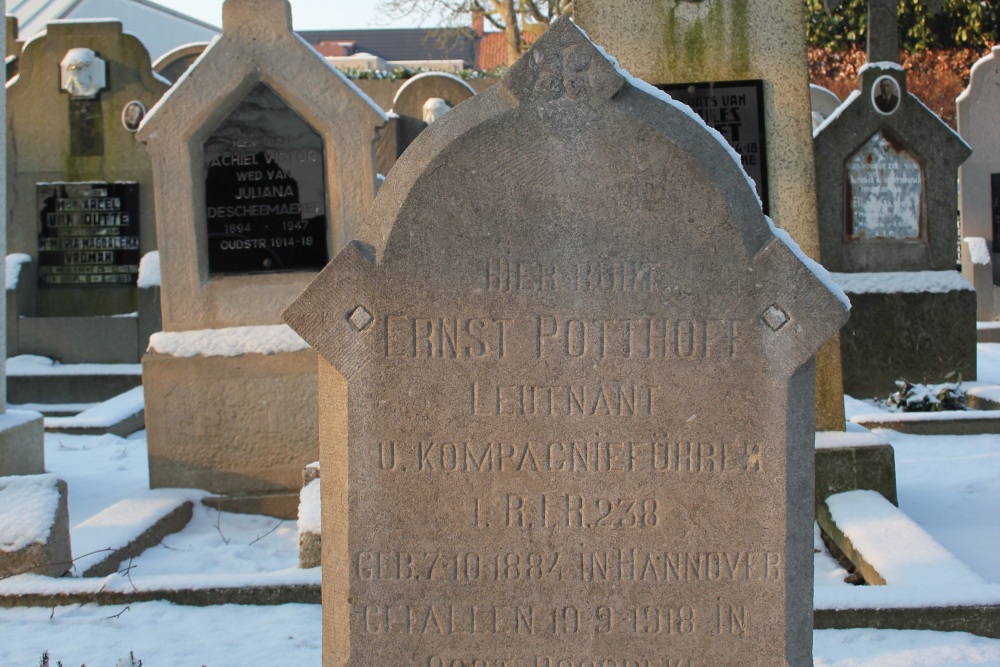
<point x="512" y="33"/>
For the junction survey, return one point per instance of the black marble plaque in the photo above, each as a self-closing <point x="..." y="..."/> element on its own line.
<point x="736" y="110"/>
<point x="88" y="234"/>
<point x="995" y="198"/>
<point x="264" y="190"/>
<point x="86" y="127"/>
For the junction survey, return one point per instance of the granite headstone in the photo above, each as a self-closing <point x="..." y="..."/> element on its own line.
<point x="566" y="412"/>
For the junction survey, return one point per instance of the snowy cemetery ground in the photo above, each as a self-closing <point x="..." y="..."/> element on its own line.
<point x="948" y="487"/>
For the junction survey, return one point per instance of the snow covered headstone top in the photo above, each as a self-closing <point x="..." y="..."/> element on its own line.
<point x="568" y="407"/>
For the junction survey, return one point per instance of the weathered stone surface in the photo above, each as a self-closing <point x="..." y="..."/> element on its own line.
<point x="917" y="335"/>
<point x="885" y="181"/>
<point x="22" y="446"/>
<point x="257" y="48"/>
<point x="979" y="177"/>
<point x="666" y="42"/>
<point x="616" y="350"/>
<point x="235" y="425"/>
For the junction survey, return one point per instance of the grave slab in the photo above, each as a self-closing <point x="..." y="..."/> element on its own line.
<point x="121" y="416"/>
<point x="34" y="526"/>
<point x="604" y="385"/>
<point x="129" y="527"/>
<point x="887" y="546"/>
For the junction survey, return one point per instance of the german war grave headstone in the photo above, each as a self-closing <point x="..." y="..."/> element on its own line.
<point x="885" y="183"/>
<point x="268" y="155"/>
<point x="979" y="181"/>
<point x="732" y="51"/>
<point x="80" y="194"/>
<point x="567" y="412"/>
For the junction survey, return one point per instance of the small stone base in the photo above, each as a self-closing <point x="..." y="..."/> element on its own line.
<point x="310" y="550"/>
<point x="241" y="426"/>
<point x="52" y="555"/>
<point x="22" y="443"/>
<point x="920" y="336"/>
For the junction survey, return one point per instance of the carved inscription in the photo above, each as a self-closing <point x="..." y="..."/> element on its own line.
<point x="264" y="190"/>
<point x="663" y="455"/>
<point x="475" y="337"/>
<point x="621" y="565"/>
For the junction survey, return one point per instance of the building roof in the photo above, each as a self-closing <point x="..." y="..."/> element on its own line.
<point x="397" y="43"/>
<point x="34" y="15"/>
<point x="493" y="49"/>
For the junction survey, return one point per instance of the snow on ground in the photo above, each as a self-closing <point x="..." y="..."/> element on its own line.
<point x="162" y="634"/>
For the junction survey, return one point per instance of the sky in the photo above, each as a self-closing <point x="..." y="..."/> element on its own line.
<point x="313" y="14"/>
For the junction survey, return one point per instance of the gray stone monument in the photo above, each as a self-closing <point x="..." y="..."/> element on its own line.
<point x="559" y="423"/>
<point x="79" y="192"/>
<point x="759" y="48"/>
<point x="979" y="181"/>
<point x="885" y="182"/>
<point x="267" y="153"/>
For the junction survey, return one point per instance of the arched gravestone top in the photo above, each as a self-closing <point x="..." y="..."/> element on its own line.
<point x="257" y="46"/>
<point x="822" y="103"/>
<point x="172" y="64"/>
<point x="568" y="284"/>
<point x="979" y="124"/>
<point x="881" y="116"/>
<point x="409" y="101"/>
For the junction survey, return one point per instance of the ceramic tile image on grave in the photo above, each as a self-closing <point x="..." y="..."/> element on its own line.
<point x="264" y="190"/>
<point x="567" y="410"/>
<point x="884" y="184"/>
<point x="88" y="234"/>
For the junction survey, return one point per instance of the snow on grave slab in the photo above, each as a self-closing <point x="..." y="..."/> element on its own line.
<point x="893" y="545"/>
<point x="34" y="525"/>
<point x="958" y="422"/>
<point x="854" y="435"/>
<point x="129" y="527"/>
<point x="228" y="342"/>
<point x="31" y="364"/>
<point x="120" y="415"/>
